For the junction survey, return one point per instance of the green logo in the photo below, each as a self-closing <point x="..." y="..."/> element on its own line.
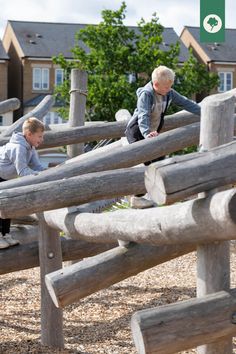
<point x="212" y="21"/>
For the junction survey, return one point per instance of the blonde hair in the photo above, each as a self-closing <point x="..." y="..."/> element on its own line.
<point x="33" y="125"/>
<point x="162" y="73"/>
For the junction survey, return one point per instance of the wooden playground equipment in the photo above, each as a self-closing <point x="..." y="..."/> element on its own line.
<point x="68" y="198"/>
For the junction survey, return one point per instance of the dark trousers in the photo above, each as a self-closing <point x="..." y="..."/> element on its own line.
<point x="133" y="134"/>
<point x="4" y="223"/>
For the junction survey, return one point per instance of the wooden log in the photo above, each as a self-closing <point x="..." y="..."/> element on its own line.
<point x="124" y="156"/>
<point x="180" y="177"/>
<point x="99" y="131"/>
<point x="50" y="259"/>
<point x="25" y="233"/>
<point x="195" y="221"/>
<point x="93" y="274"/>
<point x="213" y="261"/>
<point x="39" y="112"/>
<point x="9" y="105"/>
<point x="26" y="256"/>
<point x="74" y="135"/>
<point x="95" y="152"/>
<point x="72" y="191"/>
<point x="78" y="95"/>
<point x="176" y="327"/>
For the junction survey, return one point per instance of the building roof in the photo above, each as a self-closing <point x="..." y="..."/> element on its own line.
<point x="3" y="54"/>
<point x="45" y="39"/>
<point x="37" y="99"/>
<point x="219" y="52"/>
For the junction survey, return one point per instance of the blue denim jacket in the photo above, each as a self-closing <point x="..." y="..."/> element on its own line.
<point x="145" y="105"/>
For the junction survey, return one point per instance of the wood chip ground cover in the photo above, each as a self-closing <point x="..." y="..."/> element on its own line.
<point x="99" y="323"/>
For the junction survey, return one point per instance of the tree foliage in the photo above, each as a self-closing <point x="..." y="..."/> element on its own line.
<point x="115" y="52"/>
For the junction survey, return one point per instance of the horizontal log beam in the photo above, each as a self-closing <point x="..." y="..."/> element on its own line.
<point x="178" y="178"/>
<point x="75" y="135"/>
<point x="62" y="134"/>
<point x="176" y="327"/>
<point x="75" y="282"/>
<point x="196" y="221"/>
<point x="25" y="233"/>
<point x="27" y="256"/>
<point x="125" y="156"/>
<point x="9" y="105"/>
<point x="70" y="192"/>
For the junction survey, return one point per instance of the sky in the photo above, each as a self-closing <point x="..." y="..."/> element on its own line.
<point x="171" y="13"/>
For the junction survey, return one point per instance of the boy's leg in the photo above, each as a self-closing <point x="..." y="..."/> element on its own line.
<point x="3" y="242"/>
<point x="5" y="225"/>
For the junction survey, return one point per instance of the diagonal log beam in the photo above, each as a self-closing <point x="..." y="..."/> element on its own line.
<point x="125" y="156"/>
<point x="81" y="279"/>
<point x="72" y="191"/>
<point x="180" y="177"/>
<point x="195" y="221"/>
<point x="39" y="112"/>
<point x="176" y="327"/>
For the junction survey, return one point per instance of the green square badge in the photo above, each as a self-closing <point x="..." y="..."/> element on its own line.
<point x="212" y="21"/>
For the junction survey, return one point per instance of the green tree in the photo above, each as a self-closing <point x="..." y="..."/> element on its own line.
<point x="115" y="52"/>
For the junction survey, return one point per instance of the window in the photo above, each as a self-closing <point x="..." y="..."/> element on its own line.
<point x="1" y="120"/>
<point x="40" y="79"/>
<point x="59" y="76"/>
<point x="52" y="118"/>
<point x="132" y="78"/>
<point x="226" y="81"/>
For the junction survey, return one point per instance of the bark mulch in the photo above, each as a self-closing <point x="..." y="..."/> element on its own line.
<point x="99" y="323"/>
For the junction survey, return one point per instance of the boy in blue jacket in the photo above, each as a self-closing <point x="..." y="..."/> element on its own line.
<point x="20" y="158"/>
<point x="152" y="102"/>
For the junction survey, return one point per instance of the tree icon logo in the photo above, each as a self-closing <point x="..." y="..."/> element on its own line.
<point x="212" y="23"/>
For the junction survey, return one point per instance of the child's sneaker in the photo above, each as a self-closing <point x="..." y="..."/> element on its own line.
<point x="3" y="243"/>
<point x="10" y="240"/>
<point x="141" y="202"/>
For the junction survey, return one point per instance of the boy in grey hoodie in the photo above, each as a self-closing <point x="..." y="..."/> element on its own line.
<point x="20" y="158"/>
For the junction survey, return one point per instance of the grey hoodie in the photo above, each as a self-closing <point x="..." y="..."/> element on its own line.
<point x="18" y="158"/>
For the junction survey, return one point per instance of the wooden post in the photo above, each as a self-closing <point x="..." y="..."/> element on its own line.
<point x="50" y="258"/>
<point x="213" y="261"/>
<point x="78" y="95"/>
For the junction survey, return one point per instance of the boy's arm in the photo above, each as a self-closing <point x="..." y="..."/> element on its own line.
<point x="186" y="103"/>
<point x="144" y="107"/>
<point x="35" y="162"/>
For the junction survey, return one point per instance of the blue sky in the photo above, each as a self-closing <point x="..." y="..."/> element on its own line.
<point x="172" y="13"/>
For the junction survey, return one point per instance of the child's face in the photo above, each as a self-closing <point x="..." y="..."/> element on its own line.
<point x="162" y="87"/>
<point x="34" y="139"/>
